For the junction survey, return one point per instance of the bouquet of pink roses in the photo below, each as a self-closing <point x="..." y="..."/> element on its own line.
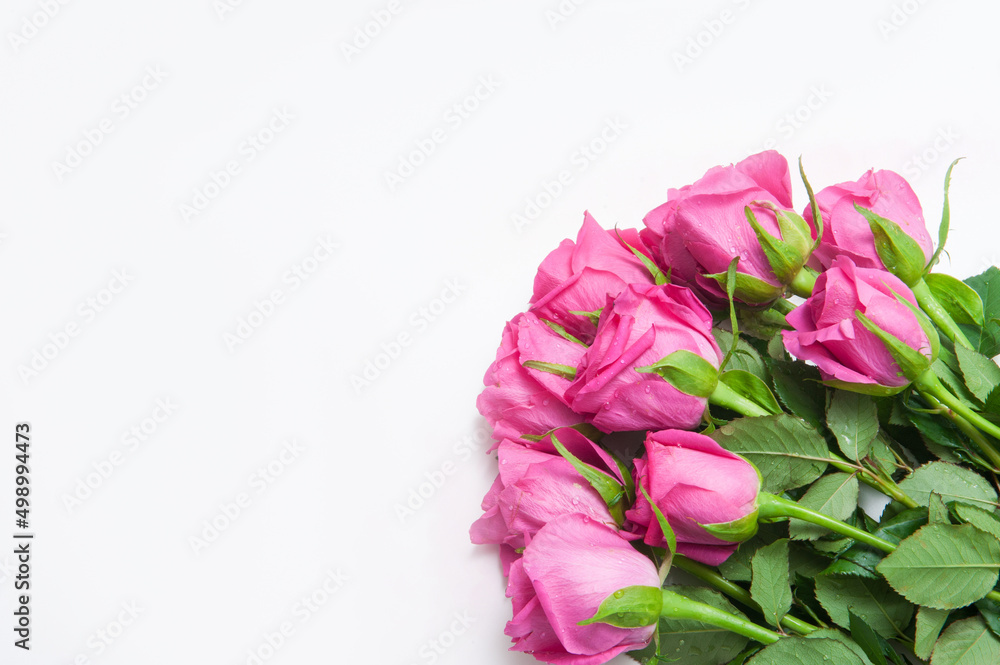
<point x="690" y="417"/>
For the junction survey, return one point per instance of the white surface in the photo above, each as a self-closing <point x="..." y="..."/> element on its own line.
<point x="879" y="98"/>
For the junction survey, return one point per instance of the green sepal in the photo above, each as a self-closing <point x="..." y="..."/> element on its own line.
<point x="925" y="324"/>
<point x="911" y="362"/>
<point x="631" y="607"/>
<point x="668" y="531"/>
<point x="609" y="488"/>
<point x="788" y="254"/>
<point x="688" y="372"/>
<point x="900" y="254"/>
<point x="565" y="371"/>
<point x="659" y="278"/>
<point x="873" y="389"/>
<point x="751" y="290"/>
<point x="945" y="218"/>
<point x="957" y="298"/>
<point x="752" y="388"/>
<point x="736" y="531"/>
<point x="594" y="316"/>
<point x="813" y="206"/>
<point x="562" y="332"/>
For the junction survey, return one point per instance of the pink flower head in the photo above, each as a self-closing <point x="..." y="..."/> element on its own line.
<point x="570" y="567"/>
<point x="536" y="485"/>
<point x="693" y="481"/>
<point x="520" y="401"/>
<point x="828" y="333"/>
<point x="846" y="232"/>
<point x="702" y="226"/>
<point x="579" y="276"/>
<point x="638" y="328"/>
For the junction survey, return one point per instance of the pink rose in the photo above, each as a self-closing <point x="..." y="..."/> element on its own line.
<point x="579" y="277"/>
<point x="536" y="485"/>
<point x="847" y="233"/>
<point x="828" y="334"/>
<point x="702" y="227"/>
<point x="638" y="328"/>
<point x="567" y="571"/>
<point x="694" y="482"/>
<point x="518" y="400"/>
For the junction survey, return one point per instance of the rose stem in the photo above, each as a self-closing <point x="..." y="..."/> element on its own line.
<point x="961" y="423"/>
<point x="676" y="606"/>
<point x="929" y="385"/>
<point x="727" y="397"/>
<point x="735" y="591"/>
<point x="938" y="314"/>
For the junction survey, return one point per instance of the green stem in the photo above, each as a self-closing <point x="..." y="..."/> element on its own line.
<point x="804" y="282"/>
<point x="782" y="306"/>
<point x="962" y="424"/>
<point x="732" y="400"/>
<point x="938" y="314"/>
<point x="735" y="591"/>
<point x="929" y="385"/>
<point x="771" y="506"/>
<point x="676" y="606"/>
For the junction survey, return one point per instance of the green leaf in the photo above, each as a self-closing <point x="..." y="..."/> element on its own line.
<point x="631" y="607"/>
<point x="687" y="640"/>
<point x="929" y="624"/>
<point x="985" y="521"/>
<point x="769" y="587"/>
<point x="900" y="254"/>
<point x="838" y="636"/>
<point x="785" y="449"/>
<point x="937" y="511"/>
<point x="953" y="483"/>
<point x="745" y="356"/>
<point x="737" y="566"/>
<point x="853" y="419"/>
<point x="865" y="388"/>
<point x="967" y="642"/>
<point x="873" y="644"/>
<point x="883" y="609"/>
<point x="901" y="526"/>
<point x="987" y="285"/>
<point x="957" y="298"/>
<point x="981" y="374"/>
<point x="565" y="371"/>
<point x="799" y="389"/>
<point x="609" y="488"/>
<point x="797" y="650"/>
<point x="752" y="388"/>
<point x="944" y="566"/>
<point x="990" y="611"/>
<point x="835" y="495"/>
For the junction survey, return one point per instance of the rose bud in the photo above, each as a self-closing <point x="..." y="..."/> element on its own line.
<point x="536" y="485"/>
<point x="707" y="494"/>
<point x="520" y="399"/>
<point x="579" y="276"/>
<point x="847" y="231"/>
<point x="570" y="567"/>
<point x="862" y="329"/>
<point x="637" y="329"/>
<point x="703" y="226"/>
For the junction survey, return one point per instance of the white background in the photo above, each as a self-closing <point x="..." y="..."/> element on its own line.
<point x="847" y="85"/>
